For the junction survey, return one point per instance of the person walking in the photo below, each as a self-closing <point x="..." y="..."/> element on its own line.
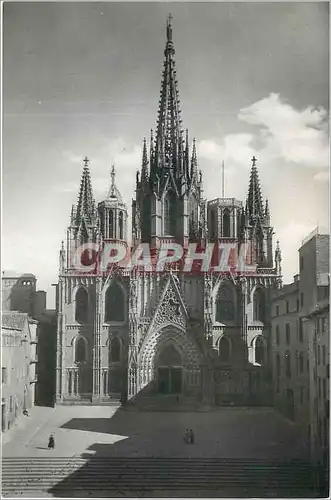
<point x="51" y="442"/>
<point x="191" y="437"/>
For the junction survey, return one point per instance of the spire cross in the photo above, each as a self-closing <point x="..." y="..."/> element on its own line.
<point x="254" y="160"/>
<point x="86" y="161"/>
<point x="169" y="29"/>
<point x="112" y="175"/>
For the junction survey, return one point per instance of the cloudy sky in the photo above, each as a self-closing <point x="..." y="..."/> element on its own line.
<point x="84" y="79"/>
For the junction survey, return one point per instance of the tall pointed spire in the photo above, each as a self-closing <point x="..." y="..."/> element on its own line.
<point x="85" y="205"/>
<point x="254" y="198"/>
<point x="168" y="129"/>
<point x="194" y="161"/>
<point x="144" y="167"/>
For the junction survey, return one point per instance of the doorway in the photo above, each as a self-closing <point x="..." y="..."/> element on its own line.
<point x="169" y="371"/>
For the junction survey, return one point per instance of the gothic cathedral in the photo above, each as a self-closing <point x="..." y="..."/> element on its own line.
<point x="127" y="334"/>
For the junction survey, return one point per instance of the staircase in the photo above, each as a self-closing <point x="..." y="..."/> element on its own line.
<point x="147" y="477"/>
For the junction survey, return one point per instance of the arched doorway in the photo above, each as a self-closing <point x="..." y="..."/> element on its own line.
<point x="169" y="370"/>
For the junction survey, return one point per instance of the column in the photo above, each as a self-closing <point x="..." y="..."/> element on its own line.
<point x="97" y="341"/>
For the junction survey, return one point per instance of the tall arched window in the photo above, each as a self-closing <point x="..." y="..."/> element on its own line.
<point x="81" y="350"/>
<point x="225" y="308"/>
<point x="288" y="364"/>
<point x="259" y="351"/>
<point x="111" y="224"/>
<point x="81" y="312"/>
<point x="169" y="215"/>
<point x="115" y="350"/>
<point x="224" y="349"/>
<point x="226" y="223"/>
<point x="277" y="365"/>
<point x="114" y="303"/>
<point x="120" y="224"/>
<point x="259" y="305"/>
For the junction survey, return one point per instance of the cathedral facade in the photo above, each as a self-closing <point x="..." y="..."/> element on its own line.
<point x="130" y="333"/>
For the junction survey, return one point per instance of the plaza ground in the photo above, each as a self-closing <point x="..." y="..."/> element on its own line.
<point x="116" y="442"/>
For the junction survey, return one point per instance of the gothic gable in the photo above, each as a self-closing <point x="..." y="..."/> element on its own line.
<point x="171" y="308"/>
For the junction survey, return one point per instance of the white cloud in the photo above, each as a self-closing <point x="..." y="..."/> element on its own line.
<point x="322" y="176"/>
<point x="295" y="136"/>
<point x="284" y="133"/>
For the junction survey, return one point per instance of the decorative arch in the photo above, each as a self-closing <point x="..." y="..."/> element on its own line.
<point x="226" y="223"/>
<point x="225" y="303"/>
<point x="259" y="350"/>
<point x="115" y="350"/>
<point x="168" y="354"/>
<point x="170" y="333"/>
<point x="120" y="224"/>
<point x="81" y="305"/>
<point x="169" y="215"/>
<point x="115" y="303"/>
<point x="80" y="344"/>
<point x="259" y="304"/>
<point x="224" y="349"/>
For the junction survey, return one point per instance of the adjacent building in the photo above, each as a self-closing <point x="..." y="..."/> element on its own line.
<point x="19" y="294"/>
<point x="18" y="342"/>
<point x="300" y="344"/>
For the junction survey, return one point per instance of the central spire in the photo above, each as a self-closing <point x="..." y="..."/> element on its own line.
<point x="168" y="128"/>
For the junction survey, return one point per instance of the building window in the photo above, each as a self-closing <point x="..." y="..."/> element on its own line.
<point x="169" y="215"/>
<point x="212" y="222"/>
<point x="277" y="334"/>
<point x="226" y="223"/>
<point x="323" y="354"/>
<point x="298" y="304"/>
<point x="288" y="364"/>
<point x="301" y="263"/>
<point x="259" y="305"/>
<point x="111" y="224"/>
<point x="225" y="308"/>
<point x="324" y="388"/>
<point x="10" y="403"/>
<point x="301" y="299"/>
<point x="277" y="365"/>
<point x="323" y="325"/>
<point x="288" y="333"/>
<point x="81" y="350"/>
<point x="277" y="310"/>
<point x="287" y="307"/>
<point x="224" y="349"/>
<point x="319" y="387"/>
<point x="114" y="303"/>
<point x="319" y="354"/>
<point x="259" y="350"/>
<point x="300" y="330"/>
<point x="301" y="362"/>
<point x="115" y="350"/>
<point x="120" y="224"/>
<point x="4" y="375"/>
<point x="317" y="326"/>
<point x="81" y="314"/>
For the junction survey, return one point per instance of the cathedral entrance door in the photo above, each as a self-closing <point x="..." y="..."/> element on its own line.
<point x="169" y="371"/>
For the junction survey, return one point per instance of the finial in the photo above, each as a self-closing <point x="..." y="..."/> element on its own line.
<point x="112" y="174"/>
<point x="169" y="28"/>
<point x="254" y="160"/>
<point x="62" y="246"/>
<point x="86" y="162"/>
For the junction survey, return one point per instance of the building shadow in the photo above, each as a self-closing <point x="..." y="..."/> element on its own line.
<point x="132" y="466"/>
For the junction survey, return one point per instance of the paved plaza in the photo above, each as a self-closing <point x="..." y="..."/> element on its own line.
<point x="224" y="433"/>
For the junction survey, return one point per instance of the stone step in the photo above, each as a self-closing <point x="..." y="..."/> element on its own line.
<point x="131" y="474"/>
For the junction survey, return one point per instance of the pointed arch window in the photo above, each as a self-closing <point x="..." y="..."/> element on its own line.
<point x="81" y="311"/>
<point x="114" y="303"/>
<point x="224" y="349"/>
<point x="226" y="223"/>
<point x="259" y="351"/>
<point x="259" y="305"/>
<point x="169" y="215"/>
<point x="111" y="223"/>
<point x="81" y="350"/>
<point x="225" y="307"/>
<point x="120" y="224"/>
<point x="115" y="350"/>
